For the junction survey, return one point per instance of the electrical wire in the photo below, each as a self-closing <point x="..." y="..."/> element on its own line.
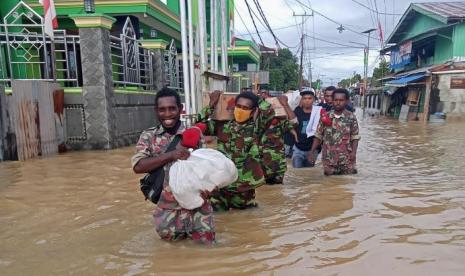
<point x="242" y="20"/>
<point x="335" y="43"/>
<point x="332" y="20"/>
<point x="262" y="14"/>
<point x="370" y="9"/>
<point x="253" y="20"/>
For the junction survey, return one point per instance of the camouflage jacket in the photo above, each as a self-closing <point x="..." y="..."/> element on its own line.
<point x="241" y="144"/>
<point x="337" y="138"/>
<point x="273" y="137"/>
<point x="272" y="147"/>
<point x="154" y="142"/>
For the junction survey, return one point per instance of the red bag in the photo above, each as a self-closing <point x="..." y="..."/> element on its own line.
<point x="324" y="117"/>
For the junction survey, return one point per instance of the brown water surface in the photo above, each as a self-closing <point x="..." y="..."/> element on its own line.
<point x="81" y="213"/>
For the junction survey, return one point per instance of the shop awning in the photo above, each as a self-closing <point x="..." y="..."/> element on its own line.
<point x="404" y="81"/>
<point x="391" y="90"/>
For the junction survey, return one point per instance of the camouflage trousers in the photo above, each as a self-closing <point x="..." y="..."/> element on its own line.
<point x="338" y="169"/>
<point x="224" y="200"/>
<point x="178" y="224"/>
<point x="274" y="165"/>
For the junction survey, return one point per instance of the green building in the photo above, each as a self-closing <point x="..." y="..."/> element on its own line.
<point x="427" y="53"/>
<point x="111" y="60"/>
<point x="156" y="25"/>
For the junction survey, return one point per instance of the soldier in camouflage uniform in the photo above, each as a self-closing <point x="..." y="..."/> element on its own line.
<point x="172" y="222"/>
<point x="239" y="140"/>
<point x="340" y="140"/>
<point x="272" y="143"/>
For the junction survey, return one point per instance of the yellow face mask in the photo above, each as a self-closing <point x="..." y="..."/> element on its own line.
<point x="241" y="115"/>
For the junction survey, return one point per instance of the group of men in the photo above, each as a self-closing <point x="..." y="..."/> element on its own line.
<point x="318" y="126"/>
<point x="254" y="141"/>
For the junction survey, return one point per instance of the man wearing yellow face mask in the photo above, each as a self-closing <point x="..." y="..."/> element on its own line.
<point x="239" y="140"/>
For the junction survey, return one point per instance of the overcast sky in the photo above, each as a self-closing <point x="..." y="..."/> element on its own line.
<point x="329" y="60"/>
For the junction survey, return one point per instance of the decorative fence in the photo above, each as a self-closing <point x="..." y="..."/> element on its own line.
<point x="27" y="53"/>
<point x="132" y="64"/>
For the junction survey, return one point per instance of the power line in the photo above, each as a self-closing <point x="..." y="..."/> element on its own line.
<point x="385" y="16"/>
<point x="266" y="27"/>
<point x="335" y="43"/>
<point x="332" y="20"/>
<point x="279" y="28"/>
<point x="262" y="14"/>
<point x="242" y="20"/>
<point x="253" y="20"/>
<point x="370" y="9"/>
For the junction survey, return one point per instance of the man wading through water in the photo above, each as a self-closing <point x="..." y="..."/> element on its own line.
<point x="171" y="221"/>
<point x="239" y="140"/>
<point x="272" y="143"/>
<point x="304" y="142"/>
<point x="340" y="139"/>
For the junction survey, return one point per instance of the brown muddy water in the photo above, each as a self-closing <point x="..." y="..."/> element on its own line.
<point x="81" y="213"/>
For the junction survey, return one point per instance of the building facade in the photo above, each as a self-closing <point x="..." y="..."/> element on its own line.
<point x="427" y="50"/>
<point x="109" y="60"/>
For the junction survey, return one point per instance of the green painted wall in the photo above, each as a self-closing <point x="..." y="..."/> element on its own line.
<point x="160" y="35"/>
<point x="419" y="26"/>
<point x="443" y="47"/>
<point x="458" y="37"/>
<point x="229" y="12"/>
<point x="173" y="5"/>
<point x="6" y="6"/>
<point x="19" y="70"/>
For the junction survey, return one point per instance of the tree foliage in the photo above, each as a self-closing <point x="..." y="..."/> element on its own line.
<point x="379" y="72"/>
<point x="346" y="83"/>
<point x="284" y="71"/>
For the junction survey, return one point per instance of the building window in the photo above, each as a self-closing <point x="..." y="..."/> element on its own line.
<point x="252" y="67"/>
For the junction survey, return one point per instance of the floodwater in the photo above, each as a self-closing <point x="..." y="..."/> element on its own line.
<point x="81" y="213"/>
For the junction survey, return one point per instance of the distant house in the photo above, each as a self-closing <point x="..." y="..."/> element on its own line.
<point x="427" y="50"/>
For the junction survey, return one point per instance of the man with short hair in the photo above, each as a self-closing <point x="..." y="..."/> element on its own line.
<point x="172" y="222"/>
<point x="328" y="98"/>
<point x="239" y="140"/>
<point x="340" y="138"/>
<point x="303" y="143"/>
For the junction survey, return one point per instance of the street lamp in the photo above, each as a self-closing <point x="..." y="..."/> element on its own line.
<point x="89" y="6"/>
<point x="365" y="71"/>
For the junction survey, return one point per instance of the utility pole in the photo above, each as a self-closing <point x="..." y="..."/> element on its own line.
<point x="301" y="60"/>
<point x="302" y="48"/>
<point x="310" y="73"/>
<point x="365" y="70"/>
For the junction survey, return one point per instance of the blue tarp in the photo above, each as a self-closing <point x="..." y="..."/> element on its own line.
<point x="401" y="82"/>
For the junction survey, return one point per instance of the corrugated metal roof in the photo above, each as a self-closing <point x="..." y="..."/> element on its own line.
<point x="449" y="10"/>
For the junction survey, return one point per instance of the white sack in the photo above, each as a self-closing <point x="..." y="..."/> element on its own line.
<point x="293" y="98"/>
<point x="204" y="170"/>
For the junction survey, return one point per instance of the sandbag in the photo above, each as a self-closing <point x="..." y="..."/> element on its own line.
<point x="204" y="170"/>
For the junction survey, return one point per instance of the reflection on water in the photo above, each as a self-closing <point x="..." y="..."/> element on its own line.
<point x="403" y="214"/>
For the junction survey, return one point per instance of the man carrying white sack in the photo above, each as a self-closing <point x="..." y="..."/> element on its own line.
<point x="172" y="222"/>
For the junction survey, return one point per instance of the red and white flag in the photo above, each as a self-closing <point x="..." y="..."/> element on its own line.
<point x="50" y="17"/>
<point x="381" y="34"/>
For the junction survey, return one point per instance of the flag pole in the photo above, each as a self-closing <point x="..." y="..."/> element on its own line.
<point x="53" y="58"/>
<point x="50" y="23"/>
